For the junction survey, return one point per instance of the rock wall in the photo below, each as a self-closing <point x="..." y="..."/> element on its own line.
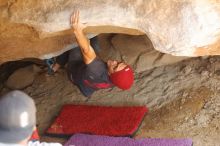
<point x="41" y="29"/>
<point x="137" y="51"/>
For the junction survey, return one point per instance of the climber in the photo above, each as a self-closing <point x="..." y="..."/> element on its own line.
<point x="86" y="70"/>
<point x="18" y="121"/>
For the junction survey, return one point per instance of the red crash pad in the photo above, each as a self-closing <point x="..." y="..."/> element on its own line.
<point x="99" y="120"/>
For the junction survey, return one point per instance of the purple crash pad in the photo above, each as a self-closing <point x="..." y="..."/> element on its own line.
<point x="95" y="140"/>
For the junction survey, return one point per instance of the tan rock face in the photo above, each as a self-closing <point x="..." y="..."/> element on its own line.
<point x="41" y="29"/>
<point x="137" y="51"/>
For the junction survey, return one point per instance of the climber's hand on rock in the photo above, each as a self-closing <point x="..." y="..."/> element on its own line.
<point x="75" y="23"/>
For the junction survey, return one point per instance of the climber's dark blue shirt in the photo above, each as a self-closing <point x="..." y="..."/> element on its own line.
<point x="90" y="77"/>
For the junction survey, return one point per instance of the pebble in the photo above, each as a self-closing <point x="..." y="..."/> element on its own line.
<point x="187" y="69"/>
<point x="205" y="73"/>
<point x="185" y="94"/>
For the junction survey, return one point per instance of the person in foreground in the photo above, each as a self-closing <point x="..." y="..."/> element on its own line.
<point x="86" y="70"/>
<point x="18" y="121"/>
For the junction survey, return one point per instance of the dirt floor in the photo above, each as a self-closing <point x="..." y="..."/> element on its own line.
<point x="183" y="100"/>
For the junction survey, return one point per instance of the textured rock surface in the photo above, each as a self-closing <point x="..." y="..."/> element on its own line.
<point x="137" y="51"/>
<point x="30" y="28"/>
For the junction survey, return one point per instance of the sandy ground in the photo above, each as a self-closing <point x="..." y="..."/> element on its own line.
<point x="183" y="100"/>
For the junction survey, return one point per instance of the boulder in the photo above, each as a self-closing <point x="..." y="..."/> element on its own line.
<point x="136" y="51"/>
<point x="22" y="77"/>
<point x="41" y="29"/>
